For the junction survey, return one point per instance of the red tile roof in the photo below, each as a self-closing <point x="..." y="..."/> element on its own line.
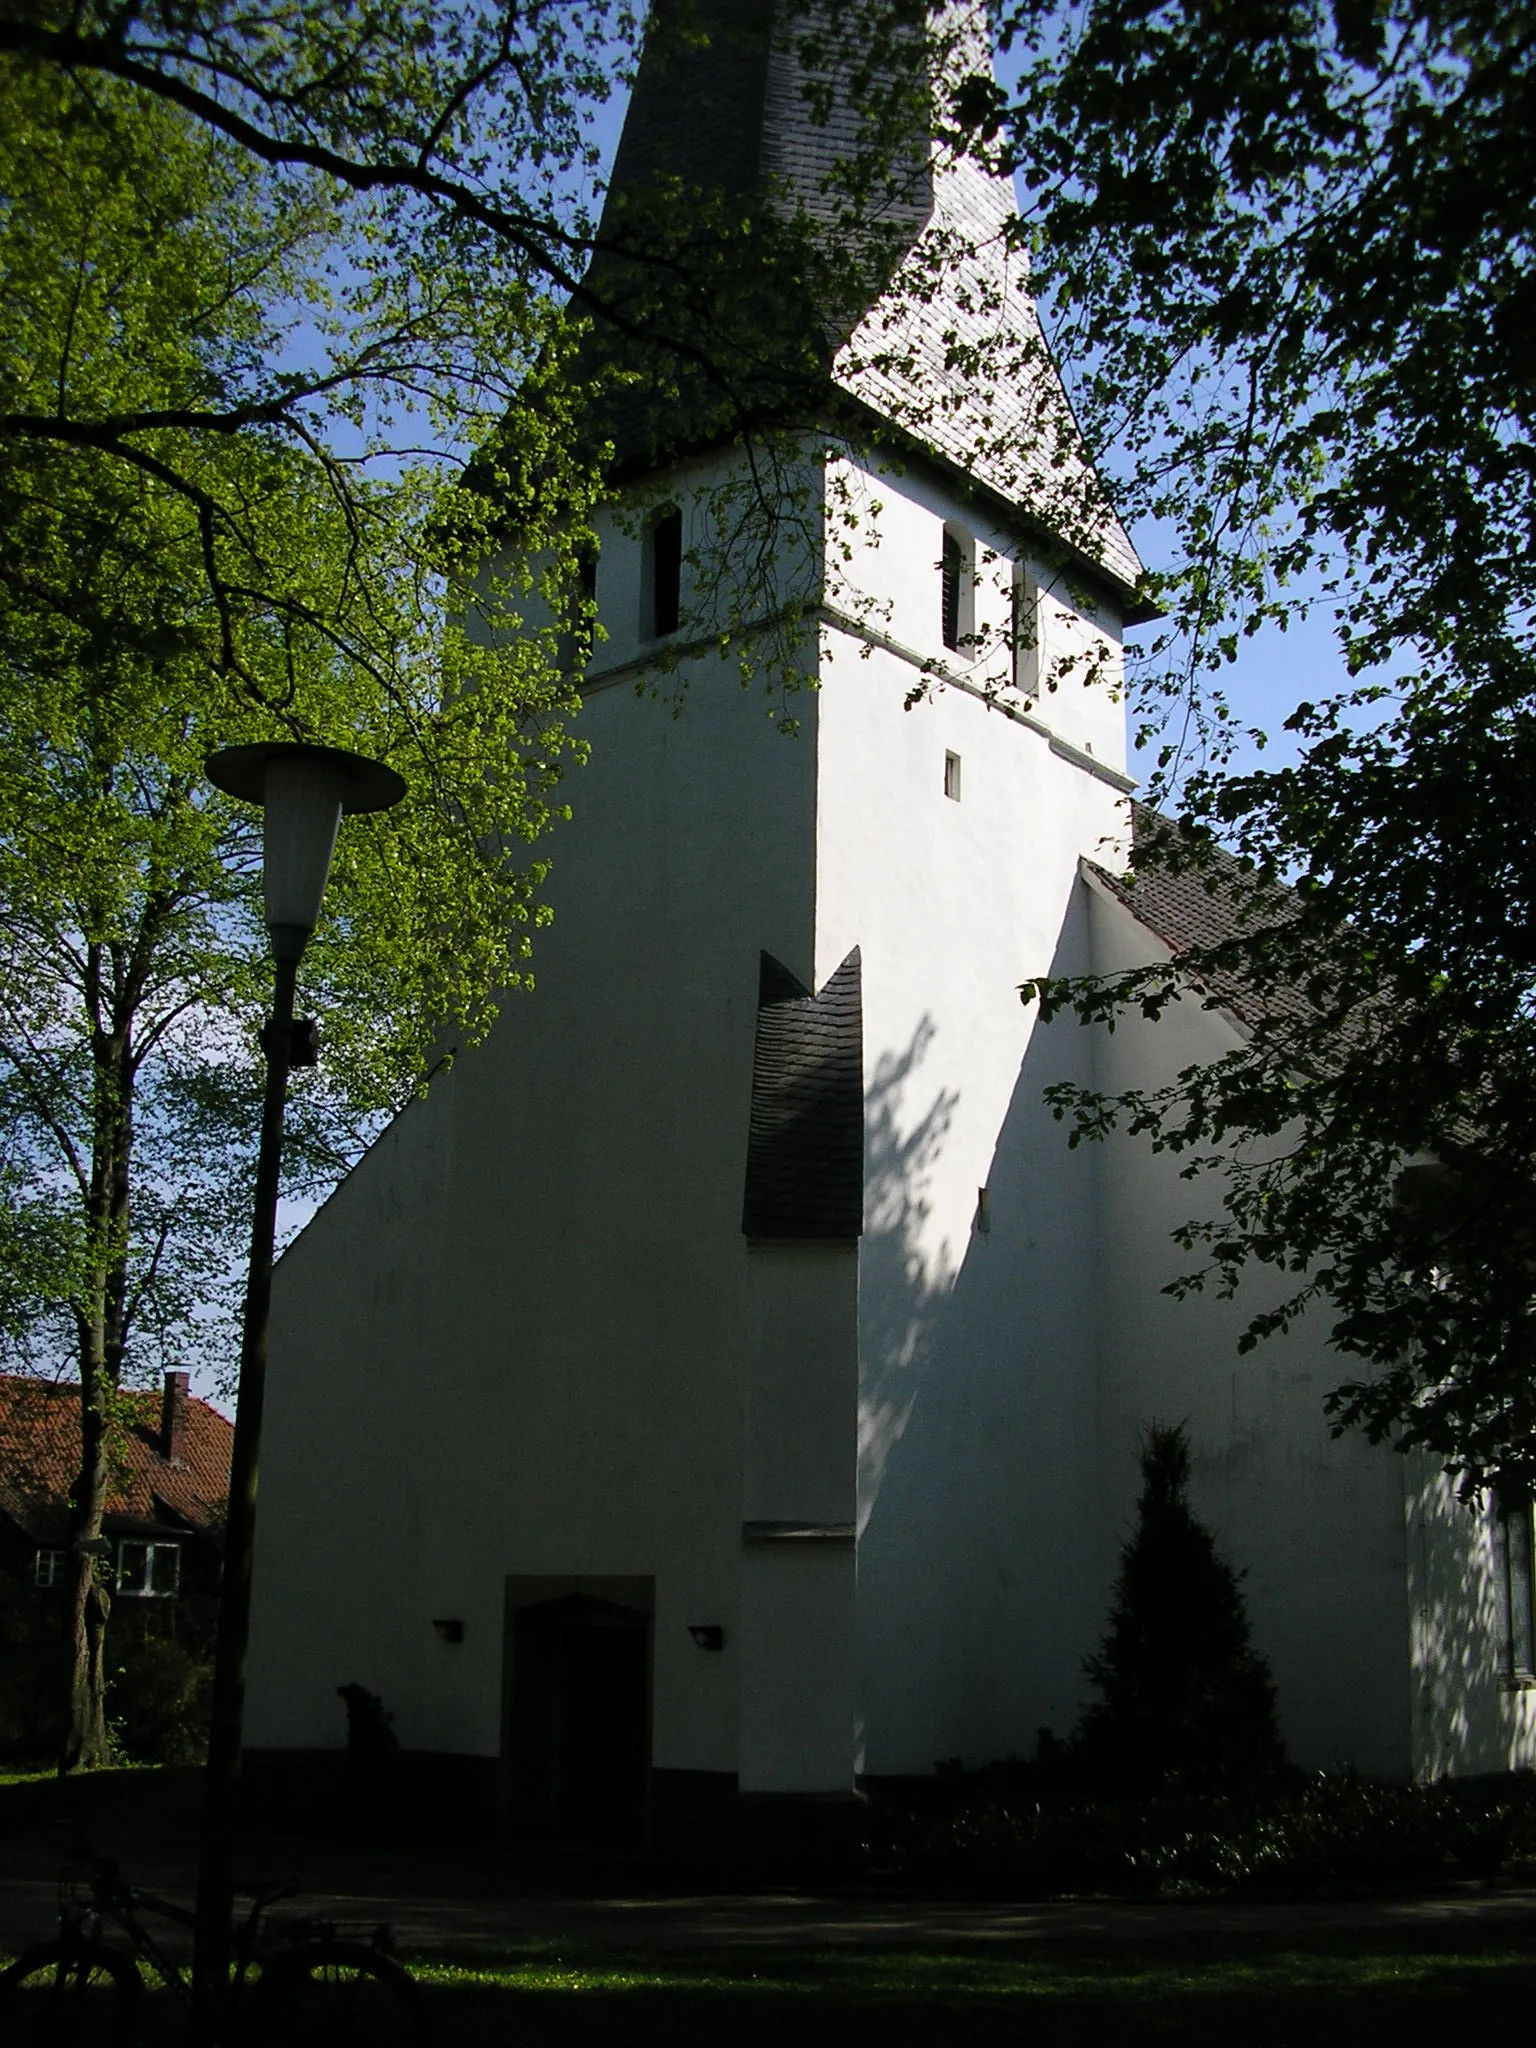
<point x="40" y="1456"/>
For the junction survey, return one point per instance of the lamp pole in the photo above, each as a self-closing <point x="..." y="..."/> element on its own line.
<point x="304" y="792"/>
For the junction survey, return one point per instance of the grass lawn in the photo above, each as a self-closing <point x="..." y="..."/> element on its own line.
<point x="1128" y="1992"/>
<point x="1412" y="1990"/>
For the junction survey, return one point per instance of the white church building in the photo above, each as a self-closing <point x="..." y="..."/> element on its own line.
<point x="724" y="1387"/>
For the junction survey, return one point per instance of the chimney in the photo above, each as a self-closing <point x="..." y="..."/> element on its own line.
<point x="173" y="1418"/>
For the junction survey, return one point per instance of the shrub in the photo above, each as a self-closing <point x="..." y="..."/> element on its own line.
<point x="1188" y="1704"/>
<point x="1001" y="1828"/>
<point x="158" y="1701"/>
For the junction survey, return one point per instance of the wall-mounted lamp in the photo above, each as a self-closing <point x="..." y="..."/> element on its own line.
<point x="450" y="1629"/>
<point x="707" y="1635"/>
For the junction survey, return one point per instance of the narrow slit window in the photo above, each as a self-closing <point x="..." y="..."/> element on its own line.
<point x="576" y="641"/>
<point x="1514" y="1547"/>
<point x="1027" y="664"/>
<point x="952" y="777"/>
<point x="957" y="592"/>
<point x="954" y="562"/>
<point x="665" y="572"/>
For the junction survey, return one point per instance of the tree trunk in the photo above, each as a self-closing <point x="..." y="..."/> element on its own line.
<point x="101" y="1321"/>
<point x="85" y="1736"/>
<point x="86" y="1742"/>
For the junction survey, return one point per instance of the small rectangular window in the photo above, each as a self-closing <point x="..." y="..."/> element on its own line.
<point x="50" y="1567"/>
<point x="664" y="573"/>
<point x="952" y="777"/>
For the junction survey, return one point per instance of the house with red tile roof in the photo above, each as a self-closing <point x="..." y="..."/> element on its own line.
<point x="167" y="1489"/>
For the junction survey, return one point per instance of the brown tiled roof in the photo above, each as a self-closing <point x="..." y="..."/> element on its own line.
<point x="1197" y="909"/>
<point x="40" y="1456"/>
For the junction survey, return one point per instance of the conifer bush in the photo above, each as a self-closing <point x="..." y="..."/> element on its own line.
<point x="1187" y="1704"/>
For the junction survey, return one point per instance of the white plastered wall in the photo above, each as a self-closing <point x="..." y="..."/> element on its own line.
<point x="885" y="547"/>
<point x="519" y="1338"/>
<point x="977" y="1347"/>
<point x="1315" y="1524"/>
<point x="795" y="1631"/>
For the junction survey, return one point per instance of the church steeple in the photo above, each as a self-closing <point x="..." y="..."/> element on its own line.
<point x="827" y="261"/>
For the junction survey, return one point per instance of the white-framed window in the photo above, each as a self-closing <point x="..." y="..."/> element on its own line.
<point x="1515" y="1579"/>
<point x="148" y="1571"/>
<point x="957" y="602"/>
<point x="1028" y="620"/>
<point x="49" y="1567"/>
<point x="952" y="777"/>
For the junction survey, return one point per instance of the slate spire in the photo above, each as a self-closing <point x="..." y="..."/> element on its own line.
<point x="880" y="274"/>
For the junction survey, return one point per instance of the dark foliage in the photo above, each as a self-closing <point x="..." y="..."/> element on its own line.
<point x="158" y="1701"/>
<point x="1290" y="243"/>
<point x="1186" y="1701"/>
<point x="1010" y="1827"/>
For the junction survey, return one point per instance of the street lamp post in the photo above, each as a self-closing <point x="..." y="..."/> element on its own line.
<point x="304" y="792"/>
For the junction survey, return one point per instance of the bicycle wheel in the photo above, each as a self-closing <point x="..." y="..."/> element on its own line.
<point x="336" y="1994"/>
<point x="65" y="1994"/>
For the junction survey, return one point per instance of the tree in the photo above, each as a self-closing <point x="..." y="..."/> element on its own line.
<point x="1289" y="247"/>
<point x="452" y="151"/>
<point x="142" y="260"/>
<point x="1186" y="1699"/>
<point x="445" y="154"/>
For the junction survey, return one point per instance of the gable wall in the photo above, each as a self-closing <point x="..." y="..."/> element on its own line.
<point x="885" y="547"/>
<point x="518" y="1340"/>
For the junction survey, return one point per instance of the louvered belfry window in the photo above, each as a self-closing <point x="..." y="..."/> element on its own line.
<point x="954" y="569"/>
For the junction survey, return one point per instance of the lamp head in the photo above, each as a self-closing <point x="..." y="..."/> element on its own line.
<point x="304" y="792"/>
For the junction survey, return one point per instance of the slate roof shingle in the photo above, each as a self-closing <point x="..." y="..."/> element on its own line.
<point x="805" y="1143"/>
<point x="1191" y="911"/>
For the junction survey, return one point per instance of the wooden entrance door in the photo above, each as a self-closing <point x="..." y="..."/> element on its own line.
<point x="578" y="1729"/>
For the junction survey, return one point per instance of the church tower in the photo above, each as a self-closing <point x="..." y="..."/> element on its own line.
<point x="701" y="1399"/>
<point x="639" y="1311"/>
